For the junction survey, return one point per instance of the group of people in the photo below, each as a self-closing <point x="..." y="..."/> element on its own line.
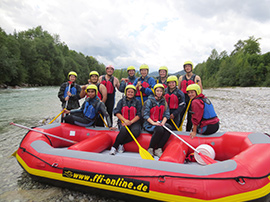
<point x="147" y="104"/>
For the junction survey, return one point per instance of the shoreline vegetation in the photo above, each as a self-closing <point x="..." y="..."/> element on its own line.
<point x="36" y="58"/>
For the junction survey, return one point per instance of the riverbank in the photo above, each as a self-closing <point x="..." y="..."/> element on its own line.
<point x="239" y="109"/>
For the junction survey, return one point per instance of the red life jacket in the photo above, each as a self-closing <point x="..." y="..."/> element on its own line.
<point x="185" y="82"/>
<point x="109" y="84"/>
<point x="164" y="84"/>
<point x="156" y="112"/>
<point x="172" y="98"/>
<point x="145" y="84"/>
<point x="129" y="112"/>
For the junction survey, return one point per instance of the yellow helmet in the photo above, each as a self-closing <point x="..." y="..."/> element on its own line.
<point x="159" y="85"/>
<point x="173" y="78"/>
<point x="144" y="66"/>
<point x="188" y="63"/>
<point x="92" y="86"/>
<point x="131" y="68"/>
<point x="164" y="68"/>
<point x="130" y="87"/>
<point x="72" y="73"/>
<point x="93" y="73"/>
<point x="195" y="87"/>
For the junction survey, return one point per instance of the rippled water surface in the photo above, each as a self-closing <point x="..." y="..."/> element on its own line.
<point x="239" y="109"/>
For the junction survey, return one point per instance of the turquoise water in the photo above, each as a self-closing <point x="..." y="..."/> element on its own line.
<point x="25" y="106"/>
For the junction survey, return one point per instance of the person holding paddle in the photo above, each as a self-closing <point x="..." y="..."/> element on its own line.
<point x="156" y="113"/>
<point x="128" y="112"/>
<point x="184" y="81"/>
<point x="204" y="117"/>
<point x="69" y="93"/>
<point x="176" y="101"/>
<point x="144" y="84"/>
<point x="87" y="114"/>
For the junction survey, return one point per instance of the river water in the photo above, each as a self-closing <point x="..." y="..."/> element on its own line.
<point x="239" y="109"/>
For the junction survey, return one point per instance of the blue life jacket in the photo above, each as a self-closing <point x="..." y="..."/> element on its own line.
<point x="209" y="112"/>
<point x="90" y="109"/>
<point x="73" y="91"/>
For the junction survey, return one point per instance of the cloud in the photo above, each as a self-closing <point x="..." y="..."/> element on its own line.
<point x="156" y="32"/>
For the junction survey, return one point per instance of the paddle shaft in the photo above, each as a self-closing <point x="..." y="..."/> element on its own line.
<point x="103" y="120"/>
<point x="175" y="125"/>
<point x="57" y="116"/>
<point x="68" y="91"/>
<point x="38" y="131"/>
<point x="184" y="115"/>
<point x="181" y="139"/>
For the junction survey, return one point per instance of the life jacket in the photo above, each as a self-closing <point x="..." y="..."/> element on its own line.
<point x="172" y="98"/>
<point x="109" y="84"/>
<point x="131" y="80"/>
<point x="99" y="93"/>
<point x="185" y="82"/>
<point x="209" y="112"/>
<point x="72" y="90"/>
<point x="89" y="110"/>
<point x="156" y="112"/>
<point x="145" y="84"/>
<point x="129" y="112"/>
<point x="164" y="84"/>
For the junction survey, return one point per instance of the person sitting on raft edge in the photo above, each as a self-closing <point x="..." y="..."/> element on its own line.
<point x="204" y="117"/>
<point x="156" y="113"/>
<point x="128" y="112"/>
<point x="90" y="109"/>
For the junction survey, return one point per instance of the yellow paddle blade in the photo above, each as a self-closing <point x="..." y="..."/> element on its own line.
<point x="14" y="154"/>
<point x="145" y="154"/>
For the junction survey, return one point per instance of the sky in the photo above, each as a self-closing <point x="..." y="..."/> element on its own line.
<point x="133" y="32"/>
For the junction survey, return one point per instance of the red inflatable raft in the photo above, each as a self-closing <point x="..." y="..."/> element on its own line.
<point x="240" y="174"/>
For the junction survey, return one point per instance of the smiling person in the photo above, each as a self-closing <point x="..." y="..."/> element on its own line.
<point x="204" y="117"/>
<point x="144" y="84"/>
<point x="70" y="94"/>
<point x="176" y="101"/>
<point x="87" y="114"/>
<point x="110" y="82"/>
<point x="184" y="81"/>
<point x="156" y="113"/>
<point x="129" y="80"/>
<point x="128" y="112"/>
<point x="163" y="74"/>
<point x="102" y="92"/>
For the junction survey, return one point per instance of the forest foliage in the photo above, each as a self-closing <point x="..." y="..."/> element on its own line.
<point x="245" y="66"/>
<point x="36" y="57"/>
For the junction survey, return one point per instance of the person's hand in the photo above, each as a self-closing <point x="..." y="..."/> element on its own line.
<point x="69" y="93"/>
<point x="139" y="83"/>
<point x="67" y="98"/>
<point x="66" y="111"/>
<point x="84" y="87"/>
<point x="192" y="134"/>
<point x="171" y="116"/>
<point x="113" y="128"/>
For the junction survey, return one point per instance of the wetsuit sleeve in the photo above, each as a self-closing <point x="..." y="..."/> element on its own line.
<point x="146" y="109"/>
<point x="62" y="92"/>
<point x="118" y="107"/>
<point x="139" y="108"/>
<point x="76" y="111"/>
<point x="167" y="112"/>
<point x="105" y="113"/>
<point x="135" y="82"/>
<point x="122" y="86"/>
<point x="181" y="101"/>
